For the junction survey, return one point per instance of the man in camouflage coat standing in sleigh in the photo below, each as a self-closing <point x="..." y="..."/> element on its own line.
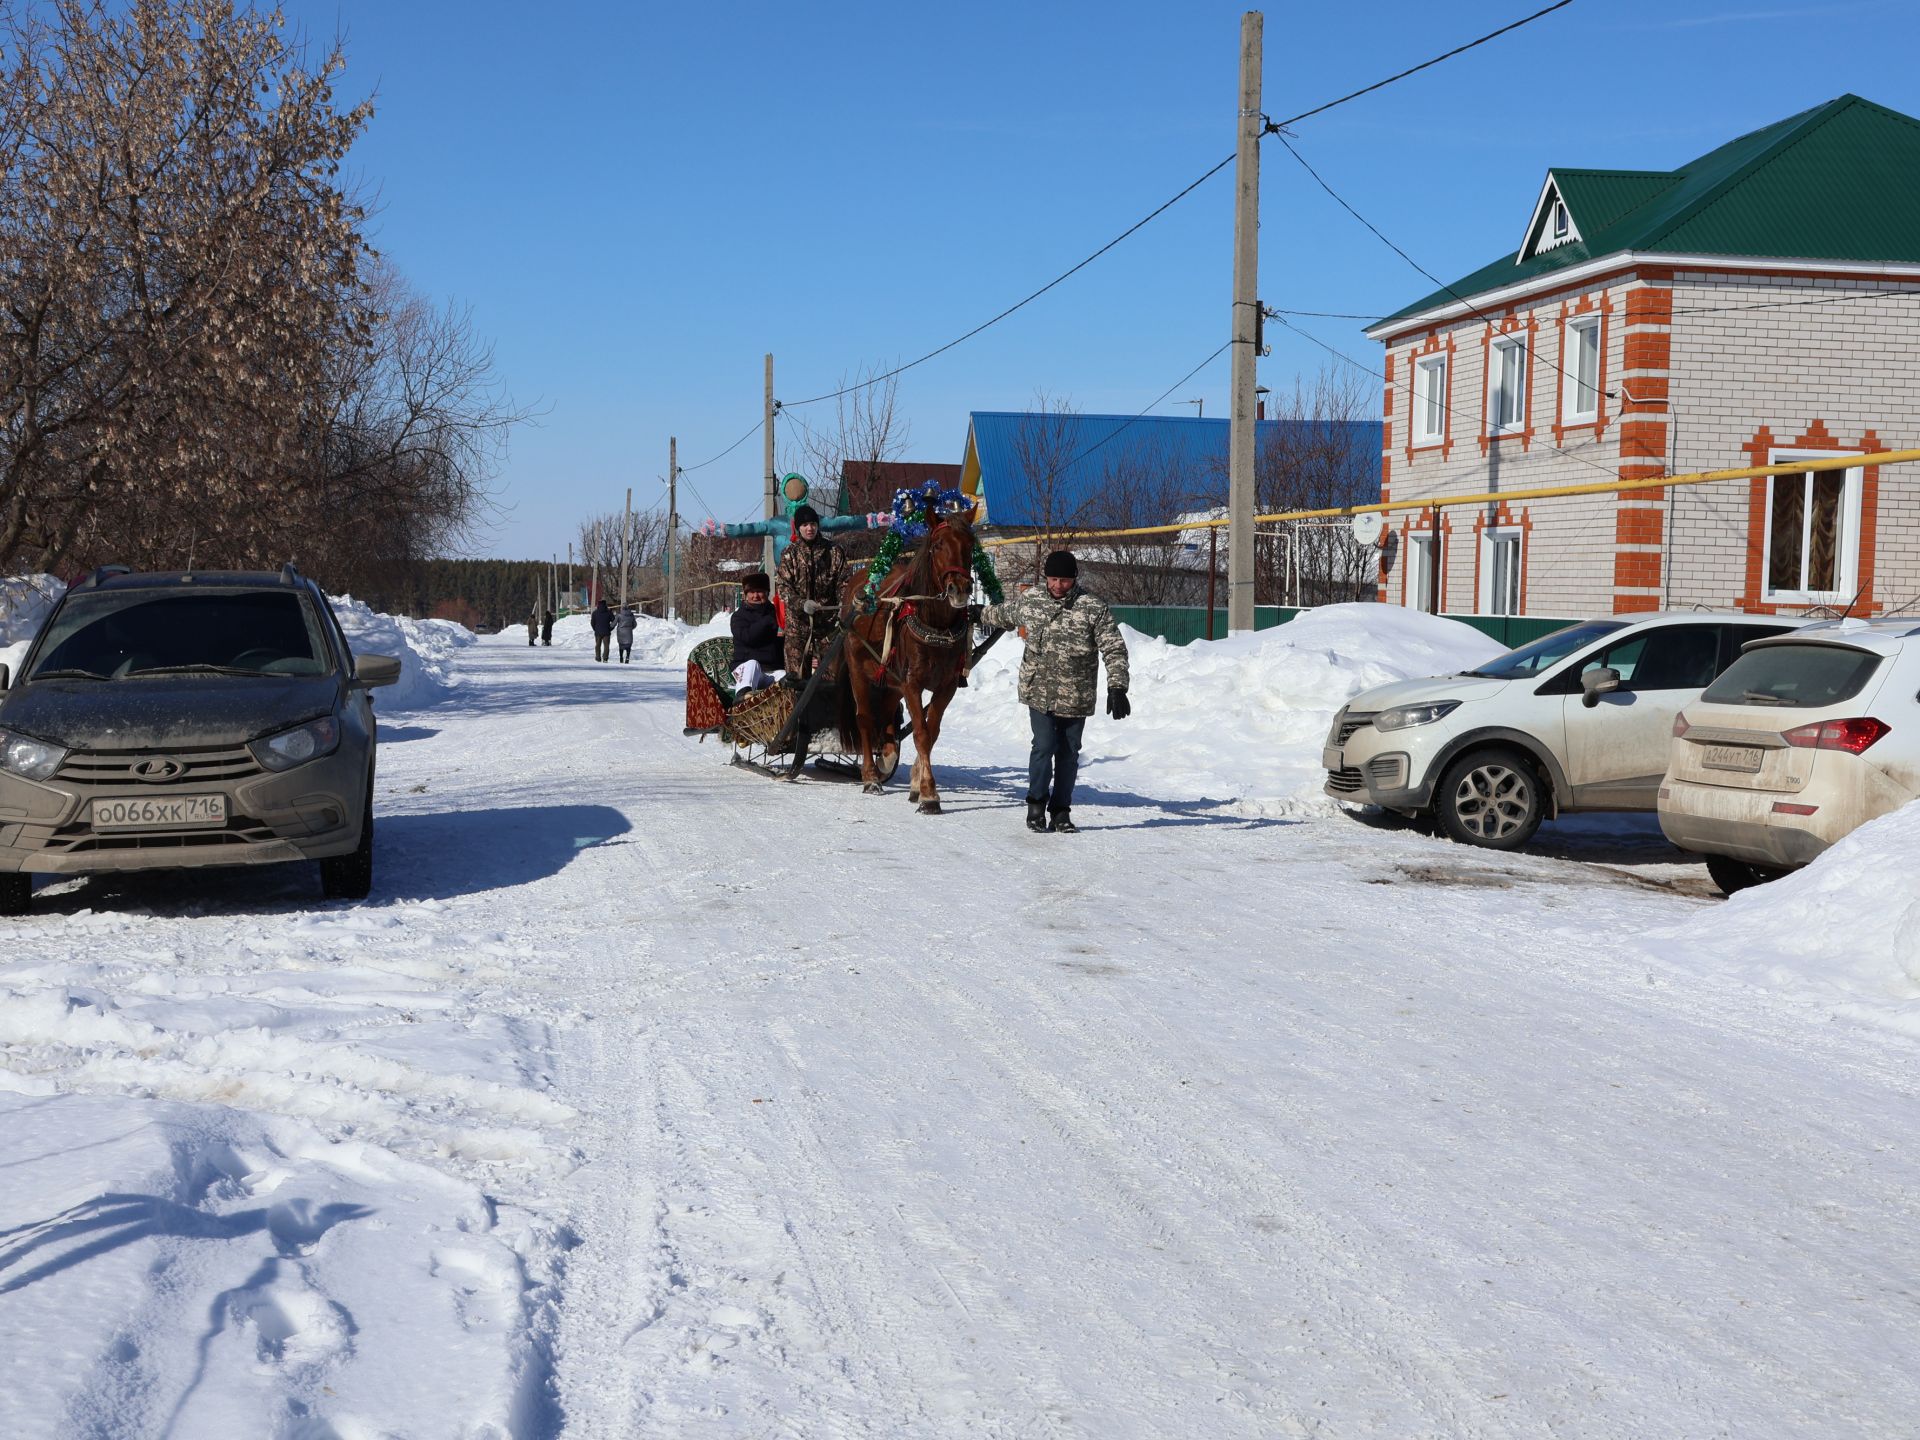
<point x="1069" y="633"/>
<point x="809" y="579"/>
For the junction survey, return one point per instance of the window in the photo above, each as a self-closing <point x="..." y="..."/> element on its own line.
<point x="1420" y="575"/>
<point x="1506" y="386"/>
<point x="1675" y="657"/>
<point x="1430" y="399"/>
<point x="1795" y="676"/>
<point x="1500" y="572"/>
<point x="1812" y="530"/>
<point x="1559" y="220"/>
<point x="1583" y="369"/>
<point x="1547" y="651"/>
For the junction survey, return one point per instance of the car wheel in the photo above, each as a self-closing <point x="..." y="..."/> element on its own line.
<point x="1490" y="798"/>
<point x="16" y="894"/>
<point x="1733" y="876"/>
<point x="350" y="876"/>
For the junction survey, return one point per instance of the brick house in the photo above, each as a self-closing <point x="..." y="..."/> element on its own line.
<point x="1757" y="305"/>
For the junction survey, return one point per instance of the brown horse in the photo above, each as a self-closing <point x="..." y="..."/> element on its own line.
<point x="914" y="644"/>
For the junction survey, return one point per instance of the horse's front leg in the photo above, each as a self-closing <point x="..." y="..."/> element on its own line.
<point x="923" y="792"/>
<point x="935" y="709"/>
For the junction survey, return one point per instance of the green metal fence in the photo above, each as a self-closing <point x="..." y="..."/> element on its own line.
<point x="1182" y="624"/>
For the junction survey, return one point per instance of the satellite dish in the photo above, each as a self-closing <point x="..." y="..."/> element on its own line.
<point x="1367" y="527"/>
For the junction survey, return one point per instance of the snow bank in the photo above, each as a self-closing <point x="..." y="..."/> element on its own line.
<point x="1238" y="721"/>
<point x="1844" y="933"/>
<point x="425" y="649"/>
<point x="655" y="641"/>
<point x="25" y="602"/>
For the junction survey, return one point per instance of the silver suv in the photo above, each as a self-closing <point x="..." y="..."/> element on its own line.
<point x="188" y="719"/>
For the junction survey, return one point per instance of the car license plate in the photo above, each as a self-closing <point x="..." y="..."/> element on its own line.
<point x="1330" y="757"/>
<point x="1744" y="758"/>
<point x="174" y="812"/>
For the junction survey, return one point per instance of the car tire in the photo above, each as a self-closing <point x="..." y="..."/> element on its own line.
<point x="1733" y="876"/>
<point x="16" y="894"/>
<point x="1490" y="798"/>
<point x="350" y="876"/>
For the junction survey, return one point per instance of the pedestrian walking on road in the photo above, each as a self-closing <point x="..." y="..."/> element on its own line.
<point x="810" y="576"/>
<point x="533" y="626"/>
<point x="623" y="632"/>
<point x="1069" y="633"/>
<point x="602" y="621"/>
<point x="546" y="628"/>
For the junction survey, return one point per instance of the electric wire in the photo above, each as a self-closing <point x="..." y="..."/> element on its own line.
<point x="729" y="450"/>
<point x="1274" y="126"/>
<point x="1158" y="400"/>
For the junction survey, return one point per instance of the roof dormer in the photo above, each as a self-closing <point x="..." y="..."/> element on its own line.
<point x="1552" y="223"/>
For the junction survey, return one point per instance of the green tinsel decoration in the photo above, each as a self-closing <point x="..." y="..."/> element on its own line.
<point x="983" y="567"/>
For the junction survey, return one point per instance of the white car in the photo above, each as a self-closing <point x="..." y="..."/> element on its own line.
<point x="1579" y="720"/>
<point x="1804" y="738"/>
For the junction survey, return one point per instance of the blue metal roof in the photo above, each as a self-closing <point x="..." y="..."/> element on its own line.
<point x="1088" y="453"/>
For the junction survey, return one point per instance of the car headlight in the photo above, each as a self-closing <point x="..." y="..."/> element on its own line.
<point x="295" y="747"/>
<point x="1403" y="716"/>
<point x="29" y="758"/>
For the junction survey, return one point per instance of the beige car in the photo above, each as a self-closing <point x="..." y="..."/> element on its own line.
<point x="1805" y="737"/>
<point x="183" y="720"/>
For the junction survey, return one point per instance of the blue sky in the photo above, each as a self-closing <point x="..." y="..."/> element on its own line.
<point x="638" y="202"/>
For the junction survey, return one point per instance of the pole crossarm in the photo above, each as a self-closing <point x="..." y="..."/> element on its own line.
<point x="1491" y="497"/>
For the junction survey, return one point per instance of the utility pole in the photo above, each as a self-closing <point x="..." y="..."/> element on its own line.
<point x="569" y="572"/>
<point x="673" y="518"/>
<point x="626" y="547"/>
<point x="766" y="545"/>
<point x="1246" y="315"/>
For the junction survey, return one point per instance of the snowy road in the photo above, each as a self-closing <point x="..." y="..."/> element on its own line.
<point x="651" y="1098"/>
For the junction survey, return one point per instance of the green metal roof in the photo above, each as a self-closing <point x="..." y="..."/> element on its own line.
<point x="1838" y="182"/>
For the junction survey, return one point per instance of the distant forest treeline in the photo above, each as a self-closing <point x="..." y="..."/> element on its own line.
<point x="480" y="594"/>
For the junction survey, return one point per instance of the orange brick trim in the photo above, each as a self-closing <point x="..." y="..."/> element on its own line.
<point x="1510" y="325"/>
<point x="1586" y="306"/>
<point x="1445" y="443"/>
<point x="1647" y="350"/>
<point x="1635" y="604"/>
<point x="1637" y="527"/>
<point x="1815" y="437"/>
<point x="1636" y="570"/>
<point x="1648" y="306"/>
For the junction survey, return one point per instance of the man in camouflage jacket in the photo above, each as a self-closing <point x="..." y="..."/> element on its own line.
<point x="1068" y="633"/>
<point x="809" y="577"/>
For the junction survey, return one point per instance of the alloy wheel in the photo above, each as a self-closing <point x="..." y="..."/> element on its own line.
<point x="1493" y="801"/>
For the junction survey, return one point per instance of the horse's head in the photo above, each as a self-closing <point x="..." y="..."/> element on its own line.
<point x="949" y="560"/>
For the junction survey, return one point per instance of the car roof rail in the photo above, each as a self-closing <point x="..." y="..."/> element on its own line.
<point x="101" y="574"/>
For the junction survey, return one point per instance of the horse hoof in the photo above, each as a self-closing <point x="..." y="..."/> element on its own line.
<point x="914" y="796"/>
<point x="874" y="789"/>
<point x="929" y="807"/>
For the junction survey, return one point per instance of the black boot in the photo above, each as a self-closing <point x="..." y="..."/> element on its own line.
<point x="1037" y="816"/>
<point x="1063" y="823"/>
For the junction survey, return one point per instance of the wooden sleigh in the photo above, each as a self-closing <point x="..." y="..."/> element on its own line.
<point x="775" y="730"/>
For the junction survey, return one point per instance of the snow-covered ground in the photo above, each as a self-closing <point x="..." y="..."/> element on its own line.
<point x="648" y="1097"/>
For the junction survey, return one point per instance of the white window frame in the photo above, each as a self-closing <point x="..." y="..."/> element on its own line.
<point x="1497" y="352"/>
<point x="1562" y="222"/>
<point x="1846" y="543"/>
<point x="1491" y="540"/>
<point x="1420" y="556"/>
<point x="1429" y="394"/>
<point x="1577" y="331"/>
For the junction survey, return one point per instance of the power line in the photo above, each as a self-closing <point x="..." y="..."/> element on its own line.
<point x="1138" y="224"/>
<point x="729" y="450"/>
<point x="1274" y="126"/>
<point x="1156" y="401"/>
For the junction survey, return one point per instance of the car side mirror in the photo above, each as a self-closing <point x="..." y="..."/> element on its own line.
<point x="371" y="671"/>
<point x="6" y="677"/>
<point x="1595" y="683"/>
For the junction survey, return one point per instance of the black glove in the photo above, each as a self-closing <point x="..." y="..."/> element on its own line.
<point x="974" y="612"/>
<point x="1118" y="706"/>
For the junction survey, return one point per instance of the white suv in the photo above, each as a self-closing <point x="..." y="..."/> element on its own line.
<point x="1579" y="720"/>
<point x="1803" y="739"/>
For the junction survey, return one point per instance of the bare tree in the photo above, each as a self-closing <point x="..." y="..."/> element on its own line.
<point x="178" y="268"/>
<point x="1145" y="483"/>
<point x="1044" y="449"/>
<point x="641" y="539"/>
<point x="1322" y="455"/>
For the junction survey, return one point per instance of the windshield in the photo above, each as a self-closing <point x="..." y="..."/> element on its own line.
<point x="1798" y="677"/>
<point x="123" y="634"/>
<point x="1547" y="651"/>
